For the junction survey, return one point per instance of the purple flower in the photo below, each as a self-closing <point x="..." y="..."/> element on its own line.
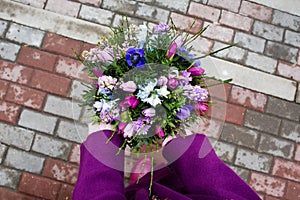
<point x="149" y="112"/>
<point x="184" y="112"/>
<point x="196" y="71"/>
<point x="162" y="81"/>
<point x="135" y="57"/>
<point x="172" y="50"/>
<point x="129" y="86"/>
<point x="162" y="28"/>
<point x="185" y="75"/>
<point x="172" y="83"/>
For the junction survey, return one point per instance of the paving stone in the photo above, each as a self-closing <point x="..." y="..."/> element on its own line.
<point x="239" y="135"/>
<point x="224" y="151"/>
<point x="282" y="108"/>
<point x="180" y="6"/>
<point x="77" y="89"/>
<point x="268" y="31"/>
<point x="267" y="184"/>
<point x="202" y="1"/>
<point x="202" y="45"/>
<point x="62" y="107"/>
<point x="9" y="51"/>
<point x="37" y="4"/>
<point x="290" y="130"/>
<point x="219" y="33"/>
<point x="261" y="62"/>
<point x="16" y="136"/>
<point x="286" y="20"/>
<point x="54" y="148"/>
<point x="184" y="22"/>
<point x="298" y="95"/>
<point x="236" y="21"/>
<point x="97" y="15"/>
<point x="233" y="53"/>
<point x="9" y="112"/>
<point x="235" y="114"/>
<point x="92" y="2"/>
<point x="293" y="191"/>
<point x="297" y="152"/>
<point x="276" y="146"/>
<point x="207" y="12"/>
<point x="281" y="51"/>
<point x="152" y="13"/>
<point x="256" y="11"/>
<point x="119" y="18"/>
<point x="38" y="121"/>
<point x="232" y="5"/>
<point x="286" y="169"/>
<point x="63" y="7"/>
<point x="7" y="194"/>
<point x="9" y="177"/>
<point x="292" y="38"/>
<point x="262" y="122"/>
<point x="73" y="131"/>
<point x="242" y="173"/>
<point x="24" y="161"/>
<point x="2" y="151"/>
<point x="25" y="35"/>
<point x="253" y="160"/>
<point x="250" y="42"/>
<point x="127" y="6"/>
<point x="3" y="27"/>
<point x="75" y="154"/>
<point x="288" y="70"/>
<point x="15" y="73"/>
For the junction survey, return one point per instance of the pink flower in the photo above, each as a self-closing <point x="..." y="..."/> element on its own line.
<point x="196" y="71"/>
<point x="129" y="102"/>
<point x="129" y="86"/>
<point x="172" y="50"/>
<point x="201" y="108"/>
<point x="128" y="130"/>
<point x="106" y="55"/>
<point x="149" y="112"/>
<point x="160" y="132"/>
<point x="172" y="83"/>
<point x="121" y="127"/>
<point x="162" y="81"/>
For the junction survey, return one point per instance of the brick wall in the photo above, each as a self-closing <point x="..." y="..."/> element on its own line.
<point x="40" y="86"/>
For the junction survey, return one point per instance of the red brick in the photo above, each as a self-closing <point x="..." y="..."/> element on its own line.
<point x="39" y="186"/>
<point x="50" y="83"/>
<point x="6" y="194"/>
<point x="71" y="68"/>
<point x="92" y="2"/>
<point x="220" y="33"/>
<point x="204" y="12"/>
<point x="9" y="112"/>
<point x="61" y="171"/>
<point x="236" y="21"/>
<point x="75" y="154"/>
<point x="297" y="153"/>
<point x="25" y="96"/>
<point x="66" y="192"/>
<point x="14" y="73"/>
<point x="35" y="58"/>
<point x="267" y="184"/>
<point x="232" y="5"/>
<point x="288" y="70"/>
<point x="220" y="91"/>
<point x="248" y="98"/>
<point x="87" y="46"/>
<point x="235" y="114"/>
<point x="256" y="11"/>
<point x="61" y="45"/>
<point x="270" y="198"/>
<point x="3" y="88"/>
<point x="293" y="191"/>
<point x="286" y="169"/>
<point x="183" y="22"/>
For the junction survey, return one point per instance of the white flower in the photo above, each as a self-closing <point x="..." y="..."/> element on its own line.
<point x="98" y="105"/>
<point x="153" y="100"/>
<point x="163" y="91"/>
<point x="150" y="87"/>
<point x="142" y="34"/>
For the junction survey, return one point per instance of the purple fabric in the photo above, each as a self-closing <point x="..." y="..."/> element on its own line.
<point x="197" y="174"/>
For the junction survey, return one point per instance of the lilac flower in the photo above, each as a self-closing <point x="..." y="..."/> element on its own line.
<point x="135" y="57"/>
<point x="162" y="28"/>
<point x="172" y="50"/>
<point x="185" y="77"/>
<point x="184" y="112"/>
<point x="195" y="93"/>
<point x="129" y="86"/>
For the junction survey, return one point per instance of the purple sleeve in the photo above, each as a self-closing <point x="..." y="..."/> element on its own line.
<point x="101" y="173"/>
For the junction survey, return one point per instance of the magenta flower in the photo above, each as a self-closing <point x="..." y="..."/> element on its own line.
<point x="121" y="127"/>
<point x="201" y="108"/>
<point x="159" y="131"/>
<point x="129" y="86"/>
<point x="172" y="83"/>
<point x="196" y="71"/>
<point x="172" y="50"/>
<point x="129" y="102"/>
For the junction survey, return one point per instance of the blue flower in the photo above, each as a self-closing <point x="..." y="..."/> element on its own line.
<point x="135" y="57"/>
<point x="184" y="112"/>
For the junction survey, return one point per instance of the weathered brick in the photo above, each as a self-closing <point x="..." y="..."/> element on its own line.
<point x="16" y="136"/>
<point x="248" y="98"/>
<point x="184" y="23"/>
<point x="292" y="38"/>
<point x="77" y="89"/>
<point x="39" y="186"/>
<point x="286" y="169"/>
<point x="25" y="96"/>
<point x="35" y="58"/>
<point x="63" y="7"/>
<point x="2" y="151"/>
<point x="281" y="108"/>
<point x="290" y="130"/>
<point x="256" y="11"/>
<point x="233" y="53"/>
<point x="152" y="13"/>
<point x="6" y="194"/>
<point x="220" y="91"/>
<point x="262" y="122"/>
<point x="267" y="197"/>
<point x="97" y="15"/>
<point x="37" y="4"/>
<point x="3" y="89"/>
<point x="288" y="70"/>
<point x="65" y="192"/>
<point x="61" y="45"/>
<point x="281" y="51"/>
<point x="253" y="160"/>
<point x="261" y="62"/>
<point x="26" y="35"/>
<point x="250" y="42"/>
<point x="72" y="131"/>
<point x="298" y="95"/>
<point x="127" y="7"/>
<point x="60" y="171"/>
<point x="75" y="154"/>
<point x="15" y="73"/>
<point x="9" y="177"/>
<point x="119" y="18"/>
<point x="24" y="161"/>
<point x="232" y="5"/>
<point x="236" y="21"/>
<point x="171" y="5"/>
<point x="242" y="173"/>
<point x="286" y="20"/>
<point x="50" y="82"/>
<point x="204" y="12"/>
<point x="268" y="31"/>
<point x="54" y="148"/>
<point x="235" y="114"/>
<point x="239" y="135"/>
<point x="92" y="2"/>
<point x="71" y="68"/>
<point x="211" y="128"/>
<point x="225" y="151"/>
<point x="297" y="152"/>
<point x="62" y="107"/>
<point x="202" y="45"/>
<point x="276" y="146"/>
<point x="9" y="50"/>
<point x="220" y="33"/>
<point x="293" y="191"/>
<point x="267" y="184"/>
<point x="9" y="112"/>
<point x="3" y="27"/>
